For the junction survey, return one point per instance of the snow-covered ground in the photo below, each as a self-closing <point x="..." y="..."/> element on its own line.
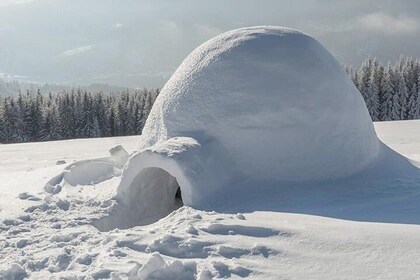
<point x="30" y="166"/>
<point x="52" y="236"/>
<point x="402" y="136"/>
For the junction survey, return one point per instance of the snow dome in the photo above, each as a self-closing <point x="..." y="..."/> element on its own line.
<point x="254" y="104"/>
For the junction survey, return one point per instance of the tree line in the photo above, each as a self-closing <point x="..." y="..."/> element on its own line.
<point x="391" y="92"/>
<point x="73" y="114"/>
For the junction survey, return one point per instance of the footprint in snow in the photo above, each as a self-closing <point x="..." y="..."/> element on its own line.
<point x="242" y="230"/>
<point x="230" y="252"/>
<point x="177" y="247"/>
<point x="28" y="196"/>
<point x="225" y="271"/>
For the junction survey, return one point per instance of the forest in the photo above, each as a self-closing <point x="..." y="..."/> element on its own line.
<point x="391" y="92"/>
<point x="74" y="114"/>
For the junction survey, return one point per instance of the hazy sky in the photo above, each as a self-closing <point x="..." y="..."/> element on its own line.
<point x="137" y="43"/>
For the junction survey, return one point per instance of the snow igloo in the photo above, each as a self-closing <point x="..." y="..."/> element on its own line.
<point x="255" y="105"/>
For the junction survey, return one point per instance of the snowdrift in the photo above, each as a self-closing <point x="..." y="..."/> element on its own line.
<point x="248" y="110"/>
<point x="91" y="171"/>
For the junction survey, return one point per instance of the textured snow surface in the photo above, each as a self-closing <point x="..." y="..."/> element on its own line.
<point x="45" y="236"/>
<point x="90" y="171"/>
<point x="33" y="165"/>
<point x="259" y="106"/>
<point x="276" y="102"/>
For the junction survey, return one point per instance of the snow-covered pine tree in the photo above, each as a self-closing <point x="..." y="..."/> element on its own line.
<point x="79" y="115"/>
<point x="28" y="122"/>
<point x="21" y="107"/>
<point x="8" y="125"/>
<point x="96" y="131"/>
<point x="66" y="114"/>
<point x="372" y="92"/>
<point x="139" y="112"/>
<point x="36" y="117"/>
<point x="113" y="124"/>
<point x="417" y="112"/>
<point x="101" y="116"/>
<point x="2" y="134"/>
<point x="364" y="76"/>
<point x="402" y="94"/>
<point x="356" y="79"/>
<point x="123" y="114"/>
<point x="88" y="121"/>
<point x="51" y="125"/>
<point x="388" y="90"/>
<point x="412" y="104"/>
<point x="13" y="128"/>
<point x="411" y="76"/>
<point x="147" y="105"/>
<point x="131" y="117"/>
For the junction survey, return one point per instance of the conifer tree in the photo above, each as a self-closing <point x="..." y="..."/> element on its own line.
<point x="388" y="90"/>
<point x="372" y="93"/>
<point x="401" y="95"/>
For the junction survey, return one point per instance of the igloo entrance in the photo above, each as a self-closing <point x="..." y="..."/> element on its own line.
<point x="153" y="194"/>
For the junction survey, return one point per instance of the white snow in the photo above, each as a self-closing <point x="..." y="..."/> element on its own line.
<point x="259" y="106"/>
<point x="157" y="268"/>
<point x="28" y="168"/>
<point x="256" y="106"/>
<point x="90" y="171"/>
<point x="276" y="102"/>
<point x="54" y="238"/>
<point x="401" y="136"/>
<point x="154" y="198"/>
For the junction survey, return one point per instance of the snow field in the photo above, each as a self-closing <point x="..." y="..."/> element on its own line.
<point x="52" y="237"/>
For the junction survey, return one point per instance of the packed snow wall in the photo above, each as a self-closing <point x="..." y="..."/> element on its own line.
<point x="256" y="104"/>
<point x="275" y="99"/>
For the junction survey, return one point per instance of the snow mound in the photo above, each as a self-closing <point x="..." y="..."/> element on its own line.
<point x="15" y="272"/>
<point x="90" y="171"/>
<point x="157" y="268"/>
<point x="251" y="105"/>
<point x="272" y="101"/>
<point x="280" y="105"/>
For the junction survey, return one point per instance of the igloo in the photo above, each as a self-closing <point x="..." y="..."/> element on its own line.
<point x="255" y="105"/>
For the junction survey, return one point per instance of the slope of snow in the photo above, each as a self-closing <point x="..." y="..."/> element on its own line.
<point x="401" y="136"/>
<point x="45" y="236"/>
